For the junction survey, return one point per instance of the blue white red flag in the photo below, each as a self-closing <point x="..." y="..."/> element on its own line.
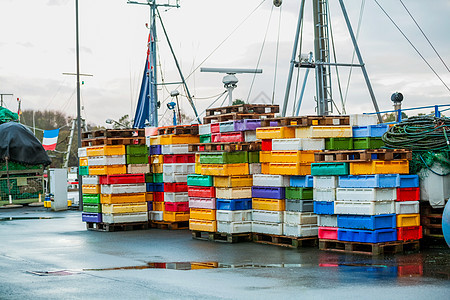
<point x="50" y="139"/>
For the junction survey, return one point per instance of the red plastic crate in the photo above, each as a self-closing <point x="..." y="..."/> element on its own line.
<point x="202" y="191"/>
<point x="179" y="158"/>
<point x="122" y="179"/>
<point x="175" y="187"/>
<point x="177" y="206"/>
<point x="266" y="145"/>
<point x="328" y="233"/>
<point x="158" y="196"/>
<point x="232" y="137"/>
<point x="215" y="128"/>
<point x="201" y="148"/>
<point x="410" y="270"/>
<point x="408" y="194"/>
<point x="215" y="137"/>
<point x="409" y="233"/>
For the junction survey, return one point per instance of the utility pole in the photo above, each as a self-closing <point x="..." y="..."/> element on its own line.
<point x="80" y="178"/>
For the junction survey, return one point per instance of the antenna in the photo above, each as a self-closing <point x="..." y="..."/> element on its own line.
<point x="230" y="80"/>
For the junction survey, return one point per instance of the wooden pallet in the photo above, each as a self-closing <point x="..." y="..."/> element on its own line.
<point x="431" y="220"/>
<point x="116" y="226"/>
<point x="369" y="248"/>
<point x="307" y="121"/>
<point x="234" y="116"/>
<point x="225" y="147"/>
<point x="170" y="225"/>
<point x="284" y="241"/>
<point x="362" y="155"/>
<point x="113" y="141"/>
<point x="222" y="237"/>
<point x="244" y="108"/>
<point x="113" y="133"/>
<point x="183" y="129"/>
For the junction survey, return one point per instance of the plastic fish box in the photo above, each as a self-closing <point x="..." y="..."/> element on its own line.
<point x="299" y="193"/>
<point x="407" y="207"/>
<point x="179" y="168"/>
<point x="125" y="218"/>
<point x="175" y="187"/>
<point x="339" y="143"/>
<point x="138" y="169"/>
<point x="159" y="206"/>
<point x="370" y="130"/>
<point x="328" y="233"/>
<point x="367" y="236"/>
<point x="366" y="194"/>
<point x="149" y="205"/>
<point x="363" y="120"/>
<point x="287" y="144"/>
<point x="206" y="138"/>
<point x="313" y="144"/>
<point x="290" y="168"/>
<point x="155" y="140"/>
<point x="200" y="180"/>
<point x="233" y="181"/>
<point x="266" y="144"/>
<point x="380" y="167"/>
<point x="268" y="216"/>
<point x="324" y="195"/>
<point x="215" y="127"/>
<point x="250" y="136"/>
<point x="149" y="197"/>
<point x="299" y="205"/>
<point x="122" y="179"/>
<point x="327" y="220"/>
<point x="156" y="215"/>
<point x="298" y="218"/>
<point x="156" y="159"/>
<point x="203" y="214"/>
<point x="233" y="215"/>
<point x="198" y="202"/>
<point x="91" y="188"/>
<point x="408" y="194"/>
<point x="155" y="187"/>
<point x="107" y="170"/>
<point x="300" y="230"/>
<point x="228" y="137"/>
<point x="247" y="124"/>
<point x="408" y="181"/>
<point x="202" y="191"/>
<point x="301" y="181"/>
<point x="122" y="198"/>
<point x="105" y="150"/>
<point x="91" y="198"/>
<point x="136" y="150"/>
<point x="323" y="131"/>
<point x="172" y="139"/>
<point x="175" y="216"/>
<point x="91" y="217"/>
<point x="158" y="177"/>
<point x="204" y="129"/>
<point x="225" y="170"/>
<point x="408" y="220"/>
<point x="270" y="180"/>
<point x="253" y="157"/>
<point x="91" y="208"/>
<point x="179" y="158"/>
<point x="234" y="227"/>
<point x="227" y="126"/>
<point x="82" y="152"/>
<point x="326" y="182"/>
<point x="83" y="161"/>
<point x="329" y="169"/>
<point x="287" y="156"/>
<point x="254" y="169"/>
<point x="148" y="177"/>
<point x="158" y="196"/>
<point x="91" y="180"/>
<point x="367" y="143"/>
<point x="175" y="149"/>
<point x="267" y="227"/>
<point x="174" y="177"/>
<point x="275" y="133"/>
<point x="203" y="225"/>
<point x="176" y="197"/>
<point x="157" y="168"/>
<point x="367" y="222"/>
<point x="120" y="208"/>
<point x="268" y="192"/>
<point x="269" y="204"/>
<point x="234" y="192"/>
<point x="369" y="181"/>
<point x="364" y="208"/>
<point x="224" y="157"/>
<point x="324" y="207"/>
<point x="155" y="149"/>
<point x="409" y="233"/>
<point x="233" y="204"/>
<point x="124" y="188"/>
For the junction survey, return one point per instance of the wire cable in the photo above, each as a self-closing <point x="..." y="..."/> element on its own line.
<point x="276" y="56"/>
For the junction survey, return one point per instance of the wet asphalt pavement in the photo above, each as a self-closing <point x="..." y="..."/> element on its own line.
<point x="51" y="255"/>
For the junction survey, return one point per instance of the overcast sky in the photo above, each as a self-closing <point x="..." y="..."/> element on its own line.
<point x="37" y="45"/>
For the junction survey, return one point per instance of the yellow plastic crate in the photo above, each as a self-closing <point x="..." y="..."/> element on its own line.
<point x="106" y="150"/>
<point x="83" y="161"/>
<point x="269" y="204"/>
<point x="233" y="181"/>
<point x="122" y="198"/>
<point x="172" y="139"/>
<point x="234" y="193"/>
<point x="155" y="140"/>
<point x="158" y="206"/>
<point x="149" y="196"/>
<point x="197" y="157"/>
<point x="286" y="156"/>
<point x="408" y="220"/>
<point x="268" y="133"/>
<point x="48" y="204"/>
<point x="225" y="169"/>
<point x="287" y="169"/>
<point x="203" y="214"/>
<point x="175" y="216"/>
<point x="380" y="167"/>
<point x="324" y="131"/>
<point x="157" y="168"/>
<point x="202" y="225"/>
<point x="204" y="265"/>
<point x="120" y="208"/>
<point x="108" y="170"/>
<point x="198" y="168"/>
<point x="157" y="159"/>
<point x="265" y="168"/>
<point x="91" y="189"/>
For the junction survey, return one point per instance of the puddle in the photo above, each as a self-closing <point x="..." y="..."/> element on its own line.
<point x="53" y="273"/>
<point x="27" y="218"/>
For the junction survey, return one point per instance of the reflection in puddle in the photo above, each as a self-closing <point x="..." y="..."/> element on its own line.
<point x="27" y="218"/>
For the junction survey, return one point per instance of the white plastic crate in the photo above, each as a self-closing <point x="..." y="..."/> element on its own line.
<point x="138" y="169"/>
<point x="234" y="193"/>
<point x="364" y="208"/>
<point x="313" y="144"/>
<point x="324" y="194"/>
<point x="327" y="220"/>
<point x="250" y="136"/>
<point x="366" y="194"/>
<point x="204" y="129"/>
<point x="267" y="227"/>
<point x="174" y="177"/>
<point x="179" y="168"/>
<point x="254" y="169"/>
<point x="233" y="215"/>
<point x="197" y="202"/>
<point x="107" y="160"/>
<point x="324" y="131"/>
<point x="287" y="144"/>
<point x="407" y="207"/>
<point x="176" y="197"/>
<point x="82" y="152"/>
<point x="270" y="180"/>
<point x="325" y="182"/>
<point x="298" y="218"/>
<point x="175" y="149"/>
<point x="147" y="141"/>
<point x="156" y="215"/>
<point x="234" y="227"/>
<point x="300" y="230"/>
<point x="363" y="120"/>
<point x="268" y="216"/>
<point x="123" y="188"/>
<point x="125" y="218"/>
<point x="92" y="179"/>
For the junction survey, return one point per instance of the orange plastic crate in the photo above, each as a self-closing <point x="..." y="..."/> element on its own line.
<point x="269" y="204"/>
<point x="122" y="198"/>
<point x="105" y="150"/>
<point x="380" y="167"/>
<point x="91" y="189"/>
<point x="203" y="214"/>
<point x="203" y="225"/>
<point x="175" y="216"/>
<point x="108" y="170"/>
<point x="269" y="133"/>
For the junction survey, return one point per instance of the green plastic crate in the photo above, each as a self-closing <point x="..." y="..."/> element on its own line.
<point x="137" y="150"/>
<point x="299" y="193"/>
<point x="158" y="177"/>
<point x="238" y="157"/>
<point x="91" y="199"/>
<point x="92" y="208"/>
<point x="137" y="159"/>
<point x="339" y="143"/>
<point x="329" y="169"/>
<point x="367" y="143"/>
<point x="15" y="166"/>
<point x="253" y="157"/>
<point x="148" y="177"/>
<point x="200" y="180"/>
<point x="205" y="138"/>
<point x="84" y="170"/>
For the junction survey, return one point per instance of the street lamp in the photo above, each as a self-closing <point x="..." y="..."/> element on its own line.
<point x="111" y="121"/>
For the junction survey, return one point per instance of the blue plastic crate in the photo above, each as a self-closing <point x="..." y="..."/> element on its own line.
<point x="367" y="222"/>
<point x="367" y="236"/>
<point x="150" y="205"/>
<point x="150" y="187"/>
<point x="158" y="187"/>
<point x="91" y="217"/>
<point x="155" y="150"/>
<point x="324" y="207"/>
<point x="408" y="181"/>
<point x="301" y="181"/>
<point x="268" y="192"/>
<point x="233" y="204"/>
<point x="370" y="130"/>
<point x="369" y="181"/>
